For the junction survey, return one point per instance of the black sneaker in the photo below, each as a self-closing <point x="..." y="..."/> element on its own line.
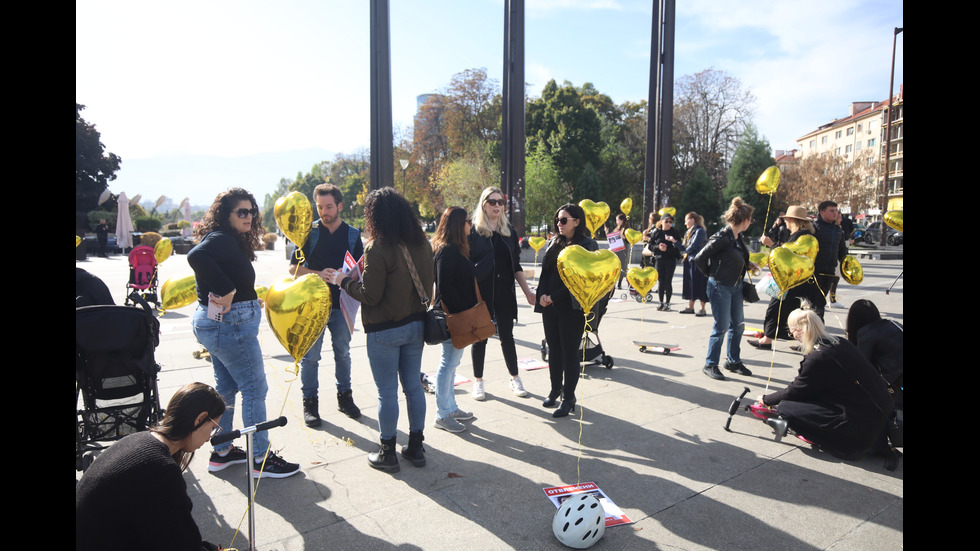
<point x="737" y="367"/>
<point x="219" y="462"/>
<point x="275" y="467"/>
<point x="712" y="371"/>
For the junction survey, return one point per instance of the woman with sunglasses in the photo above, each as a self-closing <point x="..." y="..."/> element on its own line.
<point x="665" y="244"/>
<point x="455" y="290"/>
<point x="135" y="486"/>
<point x="497" y="256"/>
<point x="227" y="318"/>
<point x="561" y="315"/>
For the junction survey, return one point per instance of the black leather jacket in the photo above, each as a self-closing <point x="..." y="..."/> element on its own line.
<point x="724" y="258"/>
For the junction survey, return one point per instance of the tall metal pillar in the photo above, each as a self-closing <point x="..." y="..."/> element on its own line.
<point x="650" y="198"/>
<point x="382" y="169"/>
<point x="665" y="163"/>
<point x="512" y="138"/>
<point x="660" y="105"/>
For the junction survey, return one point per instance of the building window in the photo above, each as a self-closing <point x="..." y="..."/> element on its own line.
<point x="837" y="135"/>
<point x="860" y="127"/>
<point x="823" y="140"/>
<point x="847" y="149"/>
<point x="850" y="131"/>
<point x="857" y="146"/>
<point x="871" y="142"/>
<point x="813" y="144"/>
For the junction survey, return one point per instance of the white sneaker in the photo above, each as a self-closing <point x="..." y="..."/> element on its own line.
<point x="518" y="387"/>
<point x="478" y="393"/>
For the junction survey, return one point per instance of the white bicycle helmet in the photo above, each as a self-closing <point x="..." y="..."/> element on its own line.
<point x="580" y="521"/>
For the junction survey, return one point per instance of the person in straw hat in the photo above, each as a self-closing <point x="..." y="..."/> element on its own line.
<point x="799" y="224"/>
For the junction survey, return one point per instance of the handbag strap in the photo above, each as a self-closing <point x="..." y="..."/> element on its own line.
<point x="415" y="276"/>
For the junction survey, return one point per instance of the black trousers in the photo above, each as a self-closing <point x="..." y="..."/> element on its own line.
<point x="563" y="331"/>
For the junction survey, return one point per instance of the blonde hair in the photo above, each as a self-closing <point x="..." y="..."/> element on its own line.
<point x="480" y="222"/>
<point x="812" y="329"/>
<point x="805" y="225"/>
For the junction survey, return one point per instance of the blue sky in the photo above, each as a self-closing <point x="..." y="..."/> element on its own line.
<point x="236" y="78"/>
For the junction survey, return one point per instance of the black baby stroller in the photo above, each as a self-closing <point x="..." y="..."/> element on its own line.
<point x="115" y="374"/>
<point x="590" y="349"/>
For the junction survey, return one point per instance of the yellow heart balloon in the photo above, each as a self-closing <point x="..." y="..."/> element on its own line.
<point x="294" y="215"/>
<point x="595" y="214"/>
<point x="805" y="245"/>
<point x="177" y="293"/>
<point x="261" y="291"/>
<point x="589" y="275"/>
<point x="768" y="181"/>
<point x="297" y="310"/>
<point x="762" y="259"/>
<point x="78" y="240"/>
<point x="163" y="249"/>
<point x="667" y="210"/>
<point x="536" y="242"/>
<point x="632" y="236"/>
<point x="789" y="269"/>
<point x="642" y="279"/>
<point x="626" y="206"/>
<point x="851" y="270"/>
<point x="894" y="220"/>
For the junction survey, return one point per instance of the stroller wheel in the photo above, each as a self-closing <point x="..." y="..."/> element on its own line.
<point x="607" y="361"/>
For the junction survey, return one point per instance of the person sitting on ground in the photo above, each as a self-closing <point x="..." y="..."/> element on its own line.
<point x="837" y="401"/>
<point x="882" y="342"/>
<point x="134" y="496"/>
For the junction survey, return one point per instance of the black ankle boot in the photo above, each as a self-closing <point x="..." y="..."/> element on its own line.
<point x="345" y="404"/>
<point x="311" y="412"/>
<point x="552" y="399"/>
<point x="414" y="451"/>
<point x="385" y="459"/>
<point x="567" y="406"/>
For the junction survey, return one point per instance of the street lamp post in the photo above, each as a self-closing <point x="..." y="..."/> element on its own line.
<point x="888" y="139"/>
<point x="404" y="163"/>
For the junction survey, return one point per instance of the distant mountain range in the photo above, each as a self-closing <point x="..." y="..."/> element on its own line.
<point x="202" y="177"/>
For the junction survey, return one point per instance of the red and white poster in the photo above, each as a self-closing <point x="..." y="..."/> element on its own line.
<point x="614" y="515"/>
<point x="615" y="240"/>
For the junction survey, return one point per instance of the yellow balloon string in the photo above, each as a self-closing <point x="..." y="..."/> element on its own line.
<point x="765" y="225"/>
<point x="831" y="309"/>
<point x="535" y="266"/>
<point x="589" y="316"/>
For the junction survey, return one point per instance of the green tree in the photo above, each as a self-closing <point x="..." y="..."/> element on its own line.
<point x="544" y="191"/>
<point x="568" y="129"/>
<point x="701" y="197"/>
<point x="752" y="157"/>
<point x="94" y="169"/>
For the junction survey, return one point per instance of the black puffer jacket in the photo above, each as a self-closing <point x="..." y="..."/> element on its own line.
<point x="724" y="258"/>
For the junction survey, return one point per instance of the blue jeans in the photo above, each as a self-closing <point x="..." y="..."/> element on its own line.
<point x="727" y="308"/>
<point x="445" y="379"/>
<point x="238" y="366"/>
<point x="340" y="341"/>
<point x="396" y="355"/>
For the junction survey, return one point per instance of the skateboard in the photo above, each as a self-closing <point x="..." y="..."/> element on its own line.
<point x="660" y="347"/>
<point x="203" y="353"/>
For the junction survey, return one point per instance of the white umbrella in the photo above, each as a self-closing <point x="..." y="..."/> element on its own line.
<point x="124" y="224"/>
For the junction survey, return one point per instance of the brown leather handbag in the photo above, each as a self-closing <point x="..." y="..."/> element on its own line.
<point x="472" y="325"/>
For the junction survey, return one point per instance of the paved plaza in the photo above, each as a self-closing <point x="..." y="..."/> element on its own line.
<point x="649" y="432"/>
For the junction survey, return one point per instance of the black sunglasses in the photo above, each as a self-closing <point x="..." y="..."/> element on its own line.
<point x="497" y="202"/>
<point x="564" y="219"/>
<point x="244" y="213"/>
